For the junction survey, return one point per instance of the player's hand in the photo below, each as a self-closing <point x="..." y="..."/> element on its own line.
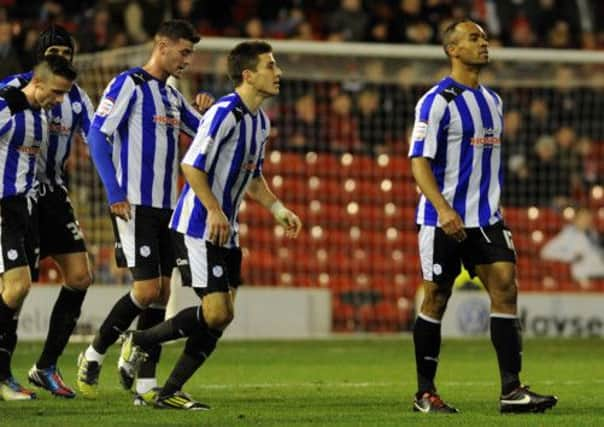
<point x="218" y="226"/>
<point x="287" y="219"/>
<point x="121" y="210"/>
<point x="451" y="223"/>
<point x="203" y="101"/>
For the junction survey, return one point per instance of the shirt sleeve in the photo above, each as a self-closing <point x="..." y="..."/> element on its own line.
<point x="6" y="119"/>
<point x="216" y="126"/>
<point x="86" y="115"/>
<point x="13" y="81"/>
<point x="115" y="104"/>
<point x="260" y="164"/>
<point x="189" y="117"/>
<point x="429" y="113"/>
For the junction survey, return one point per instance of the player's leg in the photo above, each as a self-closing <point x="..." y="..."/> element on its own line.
<point x="19" y="251"/>
<point x="495" y="259"/>
<point x="208" y="266"/>
<point x="156" y="312"/>
<point x="136" y="248"/>
<point x="218" y="280"/>
<point x="16" y="285"/>
<point x="440" y="265"/>
<point x="62" y="238"/>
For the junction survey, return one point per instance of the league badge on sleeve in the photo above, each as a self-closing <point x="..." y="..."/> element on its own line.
<point x="419" y="131"/>
<point x="105" y="107"/>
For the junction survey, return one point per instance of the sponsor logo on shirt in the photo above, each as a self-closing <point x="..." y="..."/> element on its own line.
<point x="166" y="120"/>
<point x="487" y="139"/>
<point x="32" y="151"/>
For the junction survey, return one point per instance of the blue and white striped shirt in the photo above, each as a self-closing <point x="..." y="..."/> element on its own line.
<point x="143" y="116"/>
<point x="229" y="148"/>
<point x="459" y="128"/>
<point x="72" y="115"/>
<point x="23" y="130"/>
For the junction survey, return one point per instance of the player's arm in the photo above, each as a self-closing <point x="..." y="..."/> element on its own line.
<point x="203" y="101"/>
<point x="190" y="114"/>
<point x="196" y="165"/>
<point x="112" y="112"/>
<point x="430" y="110"/>
<point x="260" y="192"/>
<point x="217" y="222"/>
<point x="450" y="220"/>
<point x="100" y="151"/>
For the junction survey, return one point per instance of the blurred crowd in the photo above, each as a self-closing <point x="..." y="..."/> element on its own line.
<point x="107" y="24"/>
<point x="554" y="137"/>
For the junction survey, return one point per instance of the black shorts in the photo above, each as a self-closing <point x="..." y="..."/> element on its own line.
<point x="206" y="267"/>
<point x="19" y="244"/>
<point x="441" y="256"/>
<point x="60" y="232"/>
<point x="144" y="244"/>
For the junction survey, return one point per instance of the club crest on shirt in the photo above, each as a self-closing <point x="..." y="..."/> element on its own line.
<point x="76" y="107"/>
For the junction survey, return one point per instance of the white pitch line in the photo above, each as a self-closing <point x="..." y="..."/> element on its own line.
<point x="383" y="384"/>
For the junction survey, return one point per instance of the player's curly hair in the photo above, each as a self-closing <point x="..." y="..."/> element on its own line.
<point x="244" y="56"/>
<point x="55" y="35"/>
<point x="178" y="29"/>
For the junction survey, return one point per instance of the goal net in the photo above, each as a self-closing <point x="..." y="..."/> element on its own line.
<point x="337" y="157"/>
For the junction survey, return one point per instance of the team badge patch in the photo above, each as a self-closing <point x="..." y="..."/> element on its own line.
<point x="76" y="107"/>
<point x="217" y="271"/>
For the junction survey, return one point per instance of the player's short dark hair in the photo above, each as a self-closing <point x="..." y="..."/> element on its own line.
<point x="447" y="35"/>
<point x="55" y="35"/>
<point x="176" y="29"/>
<point x="58" y="66"/>
<point x="244" y="56"/>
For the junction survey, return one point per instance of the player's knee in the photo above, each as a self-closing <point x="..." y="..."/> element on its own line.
<point x="15" y="291"/>
<point x="435" y="300"/>
<point x="146" y="295"/>
<point x="219" y="318"/>
<point x="79" y="279"/>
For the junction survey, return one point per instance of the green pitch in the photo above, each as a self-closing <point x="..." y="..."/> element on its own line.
<point x="341" y="382"/>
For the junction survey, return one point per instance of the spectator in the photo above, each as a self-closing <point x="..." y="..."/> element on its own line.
<point x="569" y="156"/>
<point x="253" y="28"/>
<point x="579" y="245"/>
<point x="143" y="17"/>
<point x="348" y="23"/>
<point x="343" y="131"/>
<point x="550" y="180"/>
<point x="372" y="121"/>
<point x="99" y="33"/>
<point x="188" y="10"/>
<point x="9" y="60"/>
<point x="302" y="131"/>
